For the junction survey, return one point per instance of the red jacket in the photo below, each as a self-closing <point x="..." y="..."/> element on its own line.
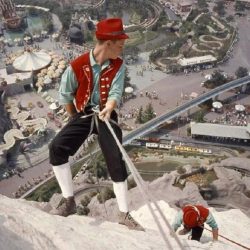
<point x="83" y="72"/>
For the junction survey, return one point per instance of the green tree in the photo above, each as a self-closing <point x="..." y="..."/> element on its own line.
<point x="85" y="201"/>
<point x="126" y="79"/>
<point x="188" y="131"/>
<point x="139" y="117"/>
<point x="200" y="29"/>
<point x="199" y="116"/>
<point x="101" y="170"/>
<point x="132" y="51"/>
<point x="82" y="210"/>
<point x="149" y="113"/>
<point x="155" y="54"/>
<point x="194" y="13"/>
<point x="241" y="72"/>
<point x="240" y="6"/>
<point x="88" y="36"/>
<point x="230" y="18"/>
<point x="217" y="79"/>
<point x="45" y="192"/>
<point x="220" y="8"/>
<point x="202" y="4"/>
<point x="207" y="104"/>
<point x="105" y="194"/>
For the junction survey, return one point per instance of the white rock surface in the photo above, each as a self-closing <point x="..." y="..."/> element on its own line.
<point x="24" y="227"/>
<point x="239" y="162"/>
<point x="160" y="189"/>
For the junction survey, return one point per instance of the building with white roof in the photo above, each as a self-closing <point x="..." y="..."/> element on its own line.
<point x="210" y="130"/>
<point x="185" y="5"/>
<point x="184" y="62"/>
<point x="32" y="61"/>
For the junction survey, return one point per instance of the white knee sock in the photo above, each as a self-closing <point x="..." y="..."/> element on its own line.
<point x="64" y="178"/>
<point x="121" y="193"/>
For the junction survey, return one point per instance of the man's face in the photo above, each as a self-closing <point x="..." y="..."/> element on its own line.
<point x="115" y="48"/>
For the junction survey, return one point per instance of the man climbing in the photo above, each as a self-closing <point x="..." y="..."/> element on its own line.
<point x="94" y="78"/>
<point x="193" y="219"/>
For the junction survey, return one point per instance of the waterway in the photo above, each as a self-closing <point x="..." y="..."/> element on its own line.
<point x="34" y="26"/>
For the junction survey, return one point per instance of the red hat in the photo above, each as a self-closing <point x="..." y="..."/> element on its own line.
<point x="110" y="29"/>
<point x="191" y="216"/>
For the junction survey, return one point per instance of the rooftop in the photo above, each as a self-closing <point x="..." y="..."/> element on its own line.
<point x="12" y="78"/>
<point x="226" y="131"/>
<point x="32" y="61"/>
<point x="185" y="2"/>
<point x="196" y="60"/>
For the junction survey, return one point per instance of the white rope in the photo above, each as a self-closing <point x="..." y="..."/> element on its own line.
<point x="147" y="197"/>
<point x="94" y="121"/>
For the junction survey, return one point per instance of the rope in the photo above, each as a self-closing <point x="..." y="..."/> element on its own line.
<point x="94" y="120"/>
<point x="147" y="197"/>
<point x="234" y="242"/>
<point x="98" y="182"/>
<point x="144" y="191"/>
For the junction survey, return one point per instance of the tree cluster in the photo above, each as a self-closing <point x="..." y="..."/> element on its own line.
<point x="240" y="6"/>
<point x="217" y="80"/>
<point x="82" y="210"/>
<point x="202" y="4"/>
<point x="155" y="54"/>
<point x="147" y="115"/>
<point x="220" y="8"/>
<point x="105" y="194"/>
<point x="241" y="72"/>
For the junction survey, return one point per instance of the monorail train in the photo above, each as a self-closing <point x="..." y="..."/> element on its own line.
<point x="193" y="149"/>
<point x="155" y="144"/>
<point x="178" y="148"/>
<point x="158" y="145"/>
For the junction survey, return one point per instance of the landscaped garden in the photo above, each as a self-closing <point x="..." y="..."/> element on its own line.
<point x="200" y="35"/>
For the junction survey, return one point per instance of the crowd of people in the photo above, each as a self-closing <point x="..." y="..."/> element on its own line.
<point x="232" y="117"/>
<point x="142" y="68"/>
<point x="130" y="114"/>
<point x="150" y="95"/>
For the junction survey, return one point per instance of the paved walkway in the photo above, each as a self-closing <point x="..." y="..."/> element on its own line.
<point x="149" y="77"/>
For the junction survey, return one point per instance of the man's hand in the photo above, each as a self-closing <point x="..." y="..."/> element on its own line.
<point x="215" y="233"/>
<point x="71" y="109"/>
<point x="105" y="113"/>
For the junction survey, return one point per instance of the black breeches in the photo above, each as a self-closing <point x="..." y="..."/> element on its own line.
<point x="73" y="135"/>
<point x="197" y="232"/>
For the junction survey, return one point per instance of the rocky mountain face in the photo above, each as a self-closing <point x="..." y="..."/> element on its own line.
<point x="23" y="226"/>
<point x="26" y="225"/>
